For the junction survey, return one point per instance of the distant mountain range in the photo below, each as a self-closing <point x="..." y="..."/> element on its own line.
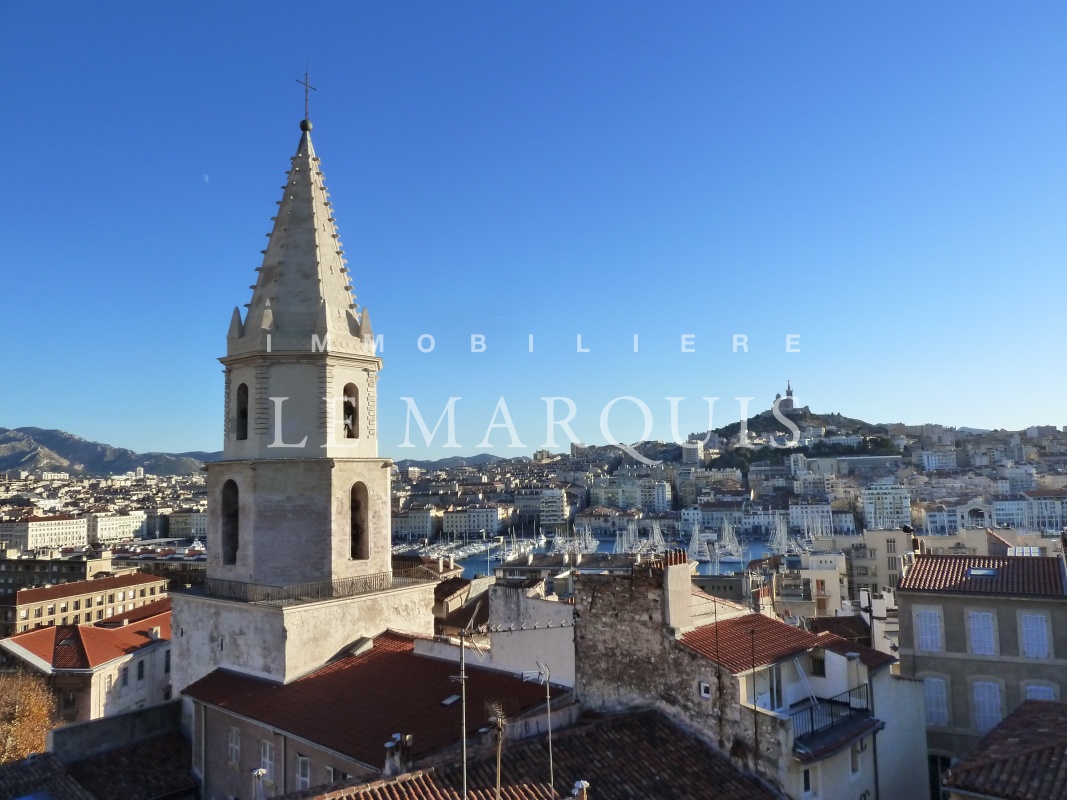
<point x="59" y="451"/>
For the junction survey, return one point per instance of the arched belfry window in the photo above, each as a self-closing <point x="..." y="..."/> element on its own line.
<point x="241" y="417"/>
<point x="229" y="522"/>
<point x="351" y="411"/>
<point x="360" y="533"/>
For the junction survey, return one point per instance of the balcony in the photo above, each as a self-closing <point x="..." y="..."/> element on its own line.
<point x="822" y="726"/>
<point x="314" y="592"/>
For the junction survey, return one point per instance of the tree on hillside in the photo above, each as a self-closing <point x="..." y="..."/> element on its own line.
<point x="27" y="713"/>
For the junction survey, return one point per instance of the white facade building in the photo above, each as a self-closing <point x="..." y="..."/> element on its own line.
<point x="37" y="532"/>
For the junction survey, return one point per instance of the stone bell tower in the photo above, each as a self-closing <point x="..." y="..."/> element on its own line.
<point x="298" y="539"/>
<point x="302" y="495"/>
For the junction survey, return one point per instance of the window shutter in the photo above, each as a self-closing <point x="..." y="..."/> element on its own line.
<point x="929" y="625"/>
<point x="1035" y="636"/>
<point x="936" y="702"/>
<point x="982" y="633"/>
<point x="986" y="705"/>
<point x="1036" y="691"/>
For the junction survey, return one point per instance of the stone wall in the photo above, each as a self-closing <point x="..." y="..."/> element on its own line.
<point x="626" y="657"/>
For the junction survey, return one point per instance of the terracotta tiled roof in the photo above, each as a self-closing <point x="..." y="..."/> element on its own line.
<point x="43" y="774"/>
<point x="449" y="587"/>
<point x="79" y="587"/>
<point x="87" y="646"/>
<point x="636" y="755"/>
<point x="156" y="768"/>
<point x="851" y="627"/>
<point x="1034" y="576"/>
<point x="152" y="609"/>
<point x="388" y="689"/>
<point x="1022" y="758"/>
<point x="870" y="657"/>
<point x="731" y="643"/>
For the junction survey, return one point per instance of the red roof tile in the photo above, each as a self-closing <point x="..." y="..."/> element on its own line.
<point x="1022" y="758"/>
<point x="870" y="657"/>
<point x="388" y="688"/>
<point x="851" y="627"/>
<point x="731" y="643"/>
<point x="635" y="755"/>
<point x="1033" y="576"/>
<point x="79" y="587"/>
<point x="87" y="646"/>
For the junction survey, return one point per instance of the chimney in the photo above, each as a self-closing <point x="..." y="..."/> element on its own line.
<point x="451" y="561"/>
<point x="154" y="633"/>
<point x="125" y="622"/>
<point x="440" y="564"/>
<point x="529" y="559"/>
<point x="392" y="756"/>
<point x="577" y="559"/>
<point x="581" y="790"/>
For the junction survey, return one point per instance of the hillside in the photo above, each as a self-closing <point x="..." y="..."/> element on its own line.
<point x="59" y="451"/>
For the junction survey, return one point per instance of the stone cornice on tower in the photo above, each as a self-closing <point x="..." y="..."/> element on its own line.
<point x="302" y="299"/>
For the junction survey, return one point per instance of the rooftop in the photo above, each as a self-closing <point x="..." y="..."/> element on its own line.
<point x="59" y="591"/>
<point x="69" y="647"/>
<point x="398" y="691"/>
<point x="633" y="755"/>
<point x="1032" y="576"/>
<point x="1022" y="758"/>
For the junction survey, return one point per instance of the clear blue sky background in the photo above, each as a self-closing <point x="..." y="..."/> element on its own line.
<point x="886" y="180"/>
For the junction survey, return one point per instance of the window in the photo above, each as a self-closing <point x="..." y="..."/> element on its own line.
<point x="241" y="416"/>
<point x="811" y="788"/>
<point x="140" y="670"/>
<point x="125" y="676"/>
<point x="24" y="613"/>
<point x="77" y="605"/>
<point x="266" y="759"/>
<point x="166" y="661"/>
<point x="234" y="747"/>
<point x="817" y="665"/>
<point x="704" y="689"/>
<point x="37" y="612"/>
<point x="230" y="522"/>
<point x="62" y="608"/>
<point x="107" y="684"/>
<point x="854" y="757"/>
<point x="358" y="531"/>
<point x="1035" y="636"/>
<point x="1037" y="691"/>
<point x="111" y="597"/>
<point x="122" y="596"/>
<point x="51" y="610"/>
<point x="303" y="772"/>
<point x="351" y="412"/>
<point x="928" y="630"/>
<point x="99" y="599"/>
<point x="987" y="710"/>
<point x="980" y="624"/>
<point x="891" y="545"/>
<point x="329" y="775"/>
<point x="936" y="702"/>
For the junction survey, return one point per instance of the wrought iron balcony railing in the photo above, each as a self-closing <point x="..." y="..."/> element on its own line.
<point x="826" y="713"/>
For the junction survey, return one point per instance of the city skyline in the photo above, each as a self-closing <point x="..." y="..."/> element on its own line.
<point x="885" y="185"/>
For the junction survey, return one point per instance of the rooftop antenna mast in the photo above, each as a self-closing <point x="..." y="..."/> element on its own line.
<point x="462" y="678"/>
<point x="544" y="675"/>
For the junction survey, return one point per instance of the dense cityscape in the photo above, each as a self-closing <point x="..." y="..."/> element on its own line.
<point x="343" y="602"/>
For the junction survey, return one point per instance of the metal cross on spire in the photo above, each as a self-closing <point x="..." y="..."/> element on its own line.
<point x="307" y="86"/>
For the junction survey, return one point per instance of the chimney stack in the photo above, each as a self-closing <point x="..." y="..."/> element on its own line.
<point x="154" y="633"/>
<point x="581" y="790"/>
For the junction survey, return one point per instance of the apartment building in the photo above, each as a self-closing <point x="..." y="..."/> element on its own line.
<point x="886" y="505"/>
<point x="32" y="533"/>
<point x="984" y="634"/>
<point x="108" y="527"/>
<point x="24" y="570"/>
<point x="78" y="603"/>
<point x="105" y="668"/>
<point x="417" y="523"/>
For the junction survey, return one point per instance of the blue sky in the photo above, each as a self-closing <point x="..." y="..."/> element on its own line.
<point x="885" y="181"/>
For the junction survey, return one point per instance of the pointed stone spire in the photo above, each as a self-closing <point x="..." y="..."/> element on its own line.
<point x="365" y="330"/>
<point x="303" y="288"/>
<point x="236" y="328"/>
